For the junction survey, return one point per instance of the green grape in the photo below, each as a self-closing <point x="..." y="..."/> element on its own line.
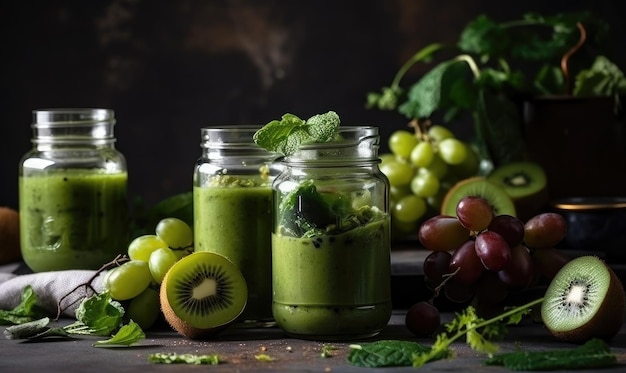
<point x="386" y="157"/>
<point x="425" y="184"/>
<point x="469" y="167"/>
<point x="401" y="143"/>
<point x="422" y="154"/>
<point x="398" y="173"/>
<point x="409" y="209"/>
<point x="145" y="308"/>
<point x="452" y="151"/>
<point x="175" y="232"/>
<point x="141" y="247"/>
<point x="439" y="132"/>
<point x="438" y="167"/>
<point x="160" y="262"/>
<point x="128" y="280"/>
<point x="397" y="192"/>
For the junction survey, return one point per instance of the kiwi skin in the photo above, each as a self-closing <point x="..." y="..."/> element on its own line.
<point x="182" y="326"/>
<point x="10" y="248"/>
<point x="609" y="317"/>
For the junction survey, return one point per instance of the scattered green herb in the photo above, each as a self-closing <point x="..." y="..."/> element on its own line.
<point x="594" y="353"/>
<point x="264" y="357"/>
<point x="127" y="335"/>
<point x="285" y="136"/>
<point x="173" y="358"/>
<point x="327" y="351"/>
<point x="27" y="310"/>
<point x="384" y="353"/>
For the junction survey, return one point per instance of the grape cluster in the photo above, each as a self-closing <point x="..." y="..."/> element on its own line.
<point x="149" y="257"/>
<point x="481" y="257"/>
<point x="421" y="167"/>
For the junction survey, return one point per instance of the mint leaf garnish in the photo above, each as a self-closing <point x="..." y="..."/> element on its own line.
<point x="97" y="315"/>
<point x="27" y="310"/>
<point x="128" y="334"/>
<point x="385" y="353"/>
<point x="288" y="134"/>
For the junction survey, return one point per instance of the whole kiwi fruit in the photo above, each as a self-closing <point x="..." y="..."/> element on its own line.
<point x="202" y="294"/>
<point x="584" y="300"/>
<point x="478" y="186"/>
<point x="9" y="236"/>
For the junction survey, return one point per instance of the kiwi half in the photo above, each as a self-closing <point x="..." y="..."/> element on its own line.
<point x="584" y="300"/>
<point x="481" y="187"/>
<point x="202" y="294"/>
<point x="526" y="184"/>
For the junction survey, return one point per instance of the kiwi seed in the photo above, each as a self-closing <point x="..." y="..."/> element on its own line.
<point x="584" y="300"/>
<point x="481" y="187"/>
<point x="202" y="294"/>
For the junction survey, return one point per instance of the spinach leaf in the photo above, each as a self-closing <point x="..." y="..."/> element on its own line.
<point x="385" y="353"/>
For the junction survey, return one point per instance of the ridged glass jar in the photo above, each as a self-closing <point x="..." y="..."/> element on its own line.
<point x="331" y="240"/>
<point x="72" y="191"/>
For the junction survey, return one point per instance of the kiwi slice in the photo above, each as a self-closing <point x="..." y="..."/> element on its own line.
<point x="526" y="183"/>
<point x="584" y="300"/>
<point x="202" y="294"/>
<point x="481" y="187"/>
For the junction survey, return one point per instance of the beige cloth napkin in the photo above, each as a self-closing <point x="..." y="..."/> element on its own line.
<point x="50" y="287"/>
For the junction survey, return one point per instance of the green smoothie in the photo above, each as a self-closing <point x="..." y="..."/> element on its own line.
<point x="232" y="217"/>
<point x="334" y="286"/>
<point x="72" y="219"/>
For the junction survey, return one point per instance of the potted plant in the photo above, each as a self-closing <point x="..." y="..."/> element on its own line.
<point x="507" y="76"/>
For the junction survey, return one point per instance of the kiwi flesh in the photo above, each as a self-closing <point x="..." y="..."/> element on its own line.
<point x="526" y="184"/>
<point x="481" y="187"/>
<point x="202" y="294"/>
<point x="584" y="300"/>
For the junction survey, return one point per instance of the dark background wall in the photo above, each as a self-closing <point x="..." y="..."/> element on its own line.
<point x="168" y="68"/>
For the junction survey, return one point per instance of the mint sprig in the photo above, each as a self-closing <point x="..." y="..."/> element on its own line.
<point x="285" y="136"/>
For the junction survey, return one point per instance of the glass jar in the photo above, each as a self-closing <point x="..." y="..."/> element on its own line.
<point x="72" y="191"/>
<point x="331" y="240"/>
<point x="232" y="199"/>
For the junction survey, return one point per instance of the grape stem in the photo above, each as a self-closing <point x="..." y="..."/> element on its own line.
<point x="447" y="278"/>
<point x="89" y="289"/>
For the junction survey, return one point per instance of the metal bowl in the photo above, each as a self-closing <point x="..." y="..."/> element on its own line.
<point x="595" y="226"/>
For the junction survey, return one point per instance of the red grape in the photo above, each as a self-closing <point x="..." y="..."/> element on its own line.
<point x="490" y="290"/>
<point x="492" y="250"/>
<point x="509" y="227"/>
<point x="474" y="213"/>
<point x="544" y="230"/>
<point x="520" y="271"/>
<point x="458" y="292"/>
<point x="549" y="261"/>
<point x="442" y="233"/>
<point x="466" y="263"/>
<point x="423" y="319"/>
<point x="436" y="265"/>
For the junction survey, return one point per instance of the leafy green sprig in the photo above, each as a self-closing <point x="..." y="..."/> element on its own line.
<point x="479" y="333"/>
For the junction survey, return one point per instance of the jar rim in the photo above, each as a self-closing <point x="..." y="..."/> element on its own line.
<point x="72" y="116"/>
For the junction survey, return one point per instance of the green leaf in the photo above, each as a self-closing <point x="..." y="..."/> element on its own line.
<point x="594" y="353"/>
<point x="442" y="87"/>
<point x="28" y="329"/>
<point x="173" y="358"/>
<point x="97" y="315"/>
<point x="385" y="353"/>
<point x="287" y="135"/>
<point x="127" y="335"/>
<point x="27" y="310"/>
<point x="603" y="78"/>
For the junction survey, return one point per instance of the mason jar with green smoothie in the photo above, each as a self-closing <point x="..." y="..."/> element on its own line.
<point x="73" y="192"/>
<point x="232" y="198"/>
<point x="331" y="236"/>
